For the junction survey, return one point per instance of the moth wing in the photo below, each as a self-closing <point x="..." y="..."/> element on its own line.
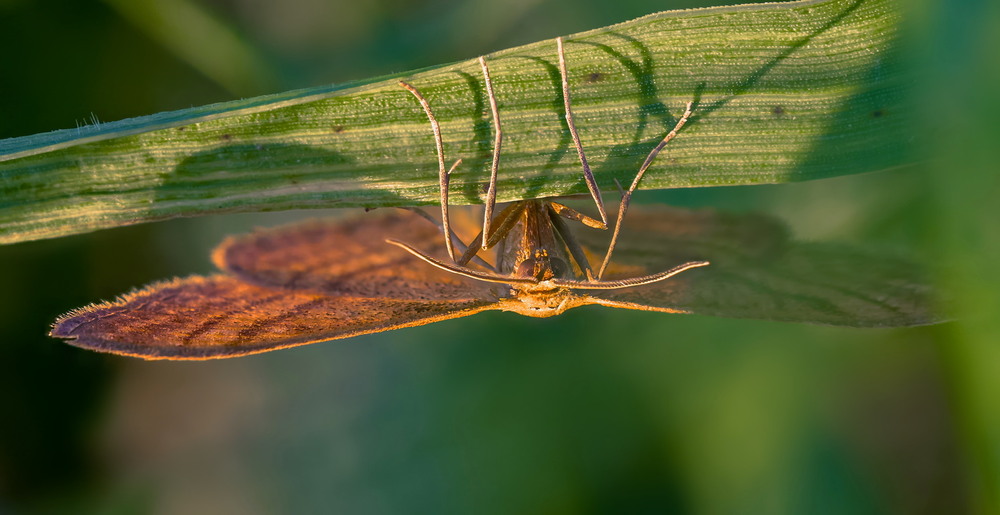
<point x="758" y="272"/>
<point x="348" y="257"/>
<point x="222" y="317"/>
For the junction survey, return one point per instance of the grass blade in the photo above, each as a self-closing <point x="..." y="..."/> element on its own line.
<point x="783" y="92"/>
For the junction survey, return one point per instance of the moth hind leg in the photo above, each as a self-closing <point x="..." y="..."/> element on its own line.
<point x="588" y="176"/>
<point x="491" y="192"/>
<point x="627" y="195"/>
<point x="557" y="212"/>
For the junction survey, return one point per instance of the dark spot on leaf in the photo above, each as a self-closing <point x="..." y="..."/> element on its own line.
<point x="338" y="129"/>
<point x="778" y="110"/>
<point x="878" y="113"/>
<point x="181" y="129"/>
<point x="595" y="77"/>
<point x="226" y="137"/>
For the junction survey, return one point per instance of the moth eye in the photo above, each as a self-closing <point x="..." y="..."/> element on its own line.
<point x="559" y="267"/>
<point x="528" y="268"/>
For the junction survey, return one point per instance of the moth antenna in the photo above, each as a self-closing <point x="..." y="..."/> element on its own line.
<point x="588" y="176"/>
<point x="464" y="272"/>
<point x="491" y="192"/>
<point x="627" y="196"/>
<point x="628" y="283"/>
<point x="443" y="174"/>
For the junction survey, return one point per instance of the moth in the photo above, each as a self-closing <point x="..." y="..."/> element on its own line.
<point x="324" y="280"/>
<point x="321" y="280"/>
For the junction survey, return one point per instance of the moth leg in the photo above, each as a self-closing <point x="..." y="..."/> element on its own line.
<point x="588" y="176"/>
<point x="566" y="234"/>
<point x="443" y="174"/>
<point x="505" y="221"/>
<point x="491" y="193"/>
<point x="627" y="196"/>
<point x="618" y="186"/>
<point x="572" y="214"/>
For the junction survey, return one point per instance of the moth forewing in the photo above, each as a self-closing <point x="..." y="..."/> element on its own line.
<point x="222" y="316"/>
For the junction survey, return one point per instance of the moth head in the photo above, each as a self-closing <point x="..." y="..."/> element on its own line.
<point x="541" y="266"/>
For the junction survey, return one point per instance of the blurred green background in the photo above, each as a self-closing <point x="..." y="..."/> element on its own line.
<point x="598" y="410"/>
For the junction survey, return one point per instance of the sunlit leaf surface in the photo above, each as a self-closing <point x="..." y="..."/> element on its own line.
<point x="783" y="92"/>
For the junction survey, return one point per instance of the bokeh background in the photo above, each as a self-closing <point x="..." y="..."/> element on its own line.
<point x="596" y="411"/>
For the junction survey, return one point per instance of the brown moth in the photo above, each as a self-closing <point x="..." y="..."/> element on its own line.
<point x="323" y="280"/>
<point x="315" y="282"/>
<point x="531" y="259"/>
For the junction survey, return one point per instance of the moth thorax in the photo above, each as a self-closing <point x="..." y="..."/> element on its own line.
<point x="531" y="249"/>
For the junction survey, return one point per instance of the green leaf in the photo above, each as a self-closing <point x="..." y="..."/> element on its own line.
<point x="783" y="92"/>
